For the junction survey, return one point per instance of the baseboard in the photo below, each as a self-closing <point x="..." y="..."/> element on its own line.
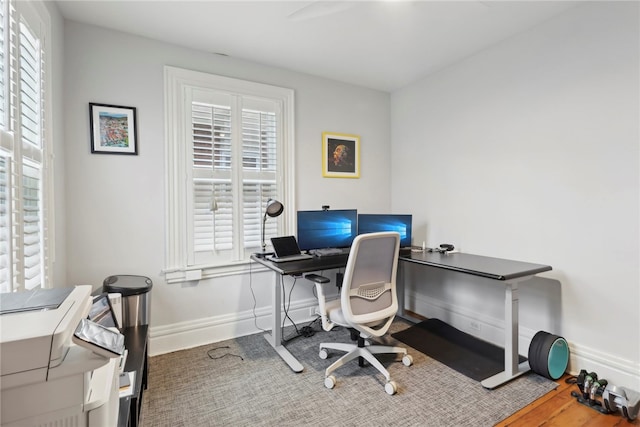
<point x="618" y="371"/>
<point x="183" y="335"/>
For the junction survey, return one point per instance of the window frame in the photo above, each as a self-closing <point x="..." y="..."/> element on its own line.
<point x="178" y="164"/>
<point x="20" y="154"/>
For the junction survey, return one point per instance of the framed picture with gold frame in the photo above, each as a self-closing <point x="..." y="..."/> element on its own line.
<point x="340" y="155"/>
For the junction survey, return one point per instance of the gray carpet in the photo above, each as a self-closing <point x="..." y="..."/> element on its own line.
<point x="247" y="384"/>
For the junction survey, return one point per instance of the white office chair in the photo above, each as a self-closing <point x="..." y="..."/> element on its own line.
<point x="368" y="303"/>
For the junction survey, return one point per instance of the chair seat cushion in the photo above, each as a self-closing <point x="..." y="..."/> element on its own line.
<point x="334" y="312"/>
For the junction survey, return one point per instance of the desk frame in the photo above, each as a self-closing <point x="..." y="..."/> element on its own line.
<point x="512" y="369"/>
<point x="510" y="273"/>
<point x="291" y="268"/>
<point x="275" y="337"/>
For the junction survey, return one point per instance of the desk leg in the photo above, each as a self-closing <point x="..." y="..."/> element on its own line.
<point x="275" y="337"/>
<point x="400" y="284"/>
<point x="400" y="289"/>
<point x="512" y="369"/>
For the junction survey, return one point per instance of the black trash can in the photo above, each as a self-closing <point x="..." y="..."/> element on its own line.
<point x="136" y="297"/>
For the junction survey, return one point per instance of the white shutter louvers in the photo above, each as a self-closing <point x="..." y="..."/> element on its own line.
<point x="24" y="176"/>
<point x="229" y="138"/>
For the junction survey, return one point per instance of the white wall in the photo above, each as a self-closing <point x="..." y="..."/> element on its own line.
<point x="530" y="151"/>
<point x="115" y="204"/>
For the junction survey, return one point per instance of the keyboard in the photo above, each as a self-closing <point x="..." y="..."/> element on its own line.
<point x="289" y="258"/>
<point x="330" y="251"/>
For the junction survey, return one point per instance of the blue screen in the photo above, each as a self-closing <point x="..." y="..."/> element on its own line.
<point x="371" y="223"/>
<point x="327" y="229"/>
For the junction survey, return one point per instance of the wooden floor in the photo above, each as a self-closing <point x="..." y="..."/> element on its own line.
<point x="559" y="408"/>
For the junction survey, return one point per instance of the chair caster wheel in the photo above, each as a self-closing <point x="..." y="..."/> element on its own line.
<point x="323" y="354"/>
<point x="330" y="382"/>
<point x="407" y="360"/>
<point x="391" y="388"/>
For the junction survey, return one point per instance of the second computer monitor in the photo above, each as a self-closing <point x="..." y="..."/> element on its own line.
<point x="371" y="223"/>
<point x="327" y="229"/>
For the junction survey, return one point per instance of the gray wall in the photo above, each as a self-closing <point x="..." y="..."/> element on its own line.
<point x="115" y="204"/>
<point x="529" y="151"/>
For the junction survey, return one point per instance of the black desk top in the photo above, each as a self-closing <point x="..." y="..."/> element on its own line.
<point x="304" y="266"/>
<point x="477" y="265"/>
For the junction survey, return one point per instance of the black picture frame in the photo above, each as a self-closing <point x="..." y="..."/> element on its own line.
<point x="113" y="129"/>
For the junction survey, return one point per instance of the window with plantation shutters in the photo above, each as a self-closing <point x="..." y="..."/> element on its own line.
<point x="232" y="140"/>
<point x="24" y="147"/>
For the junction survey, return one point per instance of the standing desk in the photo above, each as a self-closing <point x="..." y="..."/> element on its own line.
<point x="292" y="268"/>
<point x="507" y="272"/>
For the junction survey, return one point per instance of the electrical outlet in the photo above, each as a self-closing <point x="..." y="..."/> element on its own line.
<point x="474" y="325"/>
<point x="312" y="311"/>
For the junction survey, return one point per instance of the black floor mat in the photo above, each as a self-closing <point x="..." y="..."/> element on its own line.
<point x="472" y="357"/>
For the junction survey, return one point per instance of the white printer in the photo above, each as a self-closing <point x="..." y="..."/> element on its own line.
<point x="47" y="379"/>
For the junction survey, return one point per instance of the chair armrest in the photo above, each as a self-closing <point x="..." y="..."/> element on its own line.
<point x="316" y="278"/>
<point x="327" y="325"/>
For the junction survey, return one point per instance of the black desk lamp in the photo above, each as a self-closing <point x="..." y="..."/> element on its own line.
<point x="274" y="208"/>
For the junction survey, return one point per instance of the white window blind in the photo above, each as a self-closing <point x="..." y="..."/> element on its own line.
<point x="212" y="155"/>
<point x="30" y="87"/>
<point x="235" y="150"/>
<point x="5" y="227"/>
<point x="3" y="68"/>
<point x="32" y="227"/>
<point x="234" y="173"/>
<point x="24" y="112"/>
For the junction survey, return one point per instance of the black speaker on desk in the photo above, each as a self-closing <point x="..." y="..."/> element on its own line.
<point x="405" y="251"/>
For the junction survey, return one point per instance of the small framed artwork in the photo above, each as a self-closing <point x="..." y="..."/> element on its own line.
<point x="340" y="155"/>
<point x="113" y="129"/>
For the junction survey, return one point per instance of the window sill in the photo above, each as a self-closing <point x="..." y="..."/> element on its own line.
<point x="173" y="276"/>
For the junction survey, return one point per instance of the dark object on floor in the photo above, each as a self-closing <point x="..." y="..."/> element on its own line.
<point x="472" y="357"/>
<point x="548" y="355"/>
<point x="599" y="394"/>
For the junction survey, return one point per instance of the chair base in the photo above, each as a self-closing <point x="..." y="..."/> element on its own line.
<point x="367" y="352"/>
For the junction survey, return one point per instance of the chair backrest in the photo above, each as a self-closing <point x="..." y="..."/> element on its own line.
<point x="368" y="293"/>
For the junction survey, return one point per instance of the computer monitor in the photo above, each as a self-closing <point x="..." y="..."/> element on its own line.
<point x="371" y="223"/>
<point x="327" y="228"/>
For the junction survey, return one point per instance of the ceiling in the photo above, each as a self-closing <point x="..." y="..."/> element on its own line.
<point x="383" y="45"/>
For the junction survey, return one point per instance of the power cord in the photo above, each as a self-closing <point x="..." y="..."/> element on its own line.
<point x="287" y="305"/>
<point x="253" y="295"/>
<point x="308" y="331"/>
<point x="305" y="331"/>
<point x="209" y="353"/>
